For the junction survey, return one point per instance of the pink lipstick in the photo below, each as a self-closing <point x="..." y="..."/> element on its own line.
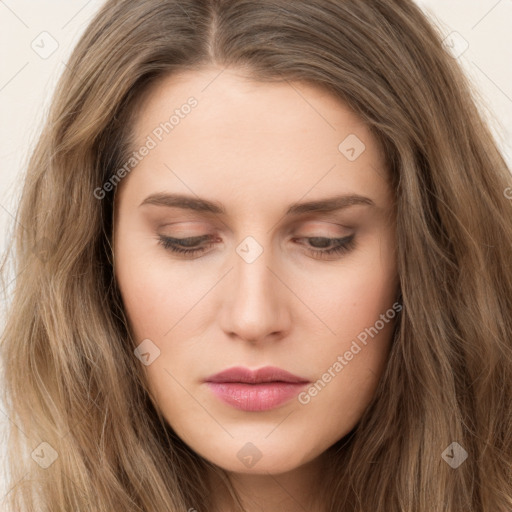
<point x="255" y="390"/>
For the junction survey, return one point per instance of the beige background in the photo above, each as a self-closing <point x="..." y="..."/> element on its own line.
<point x="28" y="75"/>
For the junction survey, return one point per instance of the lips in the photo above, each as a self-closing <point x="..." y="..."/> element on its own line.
<point x="255" y="391"/>
<point x="241" y="374"/>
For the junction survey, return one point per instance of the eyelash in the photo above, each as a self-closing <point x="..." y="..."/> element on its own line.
<point x="342" y="245"/>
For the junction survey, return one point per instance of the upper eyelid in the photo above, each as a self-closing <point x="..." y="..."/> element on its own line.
<point x="212" y="239"/>
<point x="318" y="224"/>
<point x="336" y="246"/>
<point x="320" y="218"/>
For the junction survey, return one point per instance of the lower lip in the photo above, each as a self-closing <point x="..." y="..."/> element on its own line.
<point x="255" y="397"/>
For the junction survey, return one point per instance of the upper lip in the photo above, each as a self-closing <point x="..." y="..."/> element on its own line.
<point x="246" y="375"/>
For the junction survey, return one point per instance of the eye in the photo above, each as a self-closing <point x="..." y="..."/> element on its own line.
<point x="338" y="246"/>
<point x="185" y="245"/>
<point x="190" y="246"/>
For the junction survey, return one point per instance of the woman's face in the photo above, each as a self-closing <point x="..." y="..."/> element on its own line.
<point x="257" y="178"/>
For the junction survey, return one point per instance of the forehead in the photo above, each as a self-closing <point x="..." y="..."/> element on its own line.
<point x="280" y="141"/>
<point x="228" y="101"/>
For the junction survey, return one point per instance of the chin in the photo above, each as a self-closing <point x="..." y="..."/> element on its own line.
<point x="258" y="457"/>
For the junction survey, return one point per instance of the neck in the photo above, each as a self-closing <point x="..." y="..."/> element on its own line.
<point x="293" y="491"/>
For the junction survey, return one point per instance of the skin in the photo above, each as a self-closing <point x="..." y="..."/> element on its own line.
<point x="257" y="148"/>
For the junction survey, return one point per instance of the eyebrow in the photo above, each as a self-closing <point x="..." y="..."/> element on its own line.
<point x="198" y="204"/>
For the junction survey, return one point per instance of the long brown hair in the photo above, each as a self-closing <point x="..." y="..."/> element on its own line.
<point x="71" y="379"/>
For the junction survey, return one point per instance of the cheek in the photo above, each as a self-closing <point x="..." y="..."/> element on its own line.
<point x="159" y="302"/>
<point x="352" y="297"/>
<point x="360" y="317"/>
<point x="358" y="305"/>
<point x="156" y="292"/>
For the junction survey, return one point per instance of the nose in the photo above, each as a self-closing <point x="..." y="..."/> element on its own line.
<point x="255" y="302"/>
